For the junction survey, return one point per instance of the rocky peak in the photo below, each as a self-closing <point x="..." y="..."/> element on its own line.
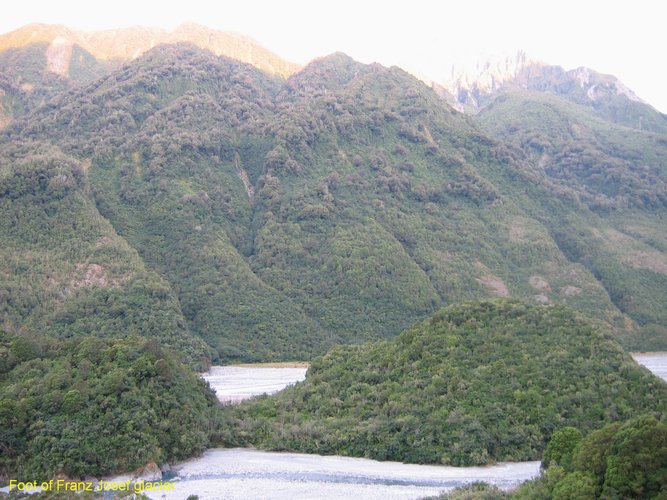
<point x="58" y="56"/>
<point x="474" y="86"/>
<point x="598" y="86"/>
<point x="488" y="75"/>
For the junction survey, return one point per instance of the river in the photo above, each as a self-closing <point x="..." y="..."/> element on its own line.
<point x="236" y="383"/>
<point x="247" y="473"/>
<point x="654" y="361"/>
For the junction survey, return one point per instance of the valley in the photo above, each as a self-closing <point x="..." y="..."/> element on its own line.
<point x="297" y="475"/>
<point x="462" y="272"/>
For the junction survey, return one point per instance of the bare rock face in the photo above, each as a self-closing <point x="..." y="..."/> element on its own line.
<point x="570" y="290"/>
<point x="491" y="74"/>
<point x="148" y="473"/>
<point x="542" y="298"/>
<point x="473" y="87"/>
<point x="58" y="56"/>
<point x="539" y="283"/>
<point x="598" y="86"/>
<point x="495" y="285"/>
<point x="90" y="275"/>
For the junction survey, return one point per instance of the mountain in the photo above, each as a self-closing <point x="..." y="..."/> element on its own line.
<point x="129" y="43"/>
<point x="339" y="205"/>
<point x="619" y="173"/>
<point x="473" y="88"/>
<point x="39" y="60"/>
<point x="477" y="382"/>
<point x="181" y="207"/>
<point x="583" y="131"/>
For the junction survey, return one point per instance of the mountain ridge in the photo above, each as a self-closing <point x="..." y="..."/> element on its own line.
<point x="520" y="71"/>
<point x="374" y="202"/>
<point x="471" y="89"/>
<point x="125" y="44"/>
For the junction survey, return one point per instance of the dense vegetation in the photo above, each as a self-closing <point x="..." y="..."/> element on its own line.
<point x="341" y="205"/>
<point x="476" y="382"/>
<point x="620" y="460"/>
<point x="608" y="165"/>
<point x="618" y="173"/>
<point x="93" y="407"/>
<point x="65" y="270"/>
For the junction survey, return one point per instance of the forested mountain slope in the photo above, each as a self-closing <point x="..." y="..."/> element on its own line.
<point x="65" y="271"/>
<point x="339" y="205"/>
<point x="38" y="61"/>
<point x="618" y="173"/>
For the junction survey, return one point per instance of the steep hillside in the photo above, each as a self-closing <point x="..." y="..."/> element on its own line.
<point x="617" y="172"/>
<point x="339" y="205"/>
<point x="65" y="271"/>
<point x="477" y="382"/>
<point x="609" y="165"/>
<point x="166" y="172"/>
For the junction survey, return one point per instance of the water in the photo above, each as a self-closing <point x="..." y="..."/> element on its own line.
<point x="236" y="383"/>
<point x="654" y="361"/>
<point x="246" y="473"/>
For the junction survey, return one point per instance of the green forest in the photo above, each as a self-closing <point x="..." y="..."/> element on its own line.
<point x="465" y="287"/>
<point x="475" y="383"/>
<point x="92" y="406"/>
<point x="277" y="218"/>
<point x="620" y="460"/>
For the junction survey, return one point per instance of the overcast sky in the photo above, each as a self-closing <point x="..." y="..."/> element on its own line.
<point x="626" y="39"/>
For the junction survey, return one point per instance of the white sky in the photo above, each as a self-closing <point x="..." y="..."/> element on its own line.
<point x="626" y="39"/>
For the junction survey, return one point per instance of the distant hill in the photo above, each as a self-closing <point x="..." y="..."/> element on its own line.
<point x="475" y="383"/>
<point x="129" y="43"/>
<point x="39" y="60"/>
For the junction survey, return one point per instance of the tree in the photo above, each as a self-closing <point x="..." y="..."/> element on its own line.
<point x="575" y="486"/>
<point x="637" y="460"/>
<point x="561" y="447"/>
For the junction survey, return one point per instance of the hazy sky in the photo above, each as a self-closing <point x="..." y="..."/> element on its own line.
<point x="626" y="39"/>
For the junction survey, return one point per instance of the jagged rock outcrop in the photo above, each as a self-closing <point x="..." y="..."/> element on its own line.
<point x="471" y="88"/>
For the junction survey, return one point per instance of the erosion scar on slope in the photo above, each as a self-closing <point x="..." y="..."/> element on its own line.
<point x="243" y="175"/>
